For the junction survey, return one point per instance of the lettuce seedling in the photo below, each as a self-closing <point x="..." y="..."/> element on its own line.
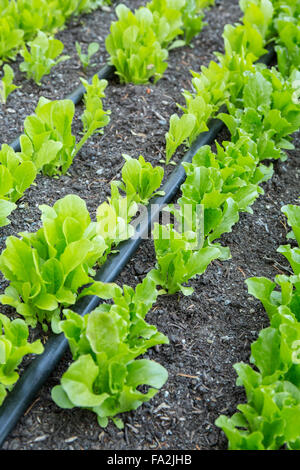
<point x="139" y="42"/>
<point x="224" y="184"/>
<point x="288" y="49"/>
<point x="270" y="418"/>
<point x="22" y="20"/>
<point x="167" y="21"/>
<point x="14" y="346"/>
<point x="94" y="117"/>
<point x="134" y="48"/>
<point x="105" y="344"/>
<point x="140" y="180"/>
<point x="192" y="16"/>
<point x="6" y="84"/>
<point x="16" y="175"/>
<point x="180" y="130"/>
<point x="48" y="141"/>
<point x="85" y="59"/>
<point x="46" y="268"/>
<point x="6" y="208"/>
<point x="43" y="55"/>
<point x="177" y="262"/>
<point x="11" y="38"/>
<point x="292" y="213"/>
<point x="113" y="219"/>
<point x="32" y="16"/>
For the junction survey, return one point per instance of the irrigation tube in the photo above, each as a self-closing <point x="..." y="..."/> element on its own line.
<point x="33" y="378"/>
<point x="75" y="96"/>
<point x="25" y="390"/>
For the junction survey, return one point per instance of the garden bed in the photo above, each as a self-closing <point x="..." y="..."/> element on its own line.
<point x="208" y="331"/>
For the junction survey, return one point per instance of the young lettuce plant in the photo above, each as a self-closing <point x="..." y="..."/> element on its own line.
<point x="46" y="268"/>
<point x="43" y="55"/>
<point x="134" y="48"/>
<point x="6" y="209"/>
<point x="268" y="116"/>
<point x="139" y="42"/>
<point x="173" y="18"/>
<point x="140" y="180"/>
<point x="85" y="59"/>
<point x="113" y="220"/>
<point x="16" y="175"/>
<point x="14" y="346"/>
<point x="167" y="21"/>
<point x="192" y="16"/>
<point x="48" y="141"/>
<point x="177" y="261"/>
<point x="288" y="49"/>
<point x="32" y="16"/>
<point x="94" y="117"/>
<point x="270" y="418"/>
<point x="11" y="38"/>
<point x="180" y="130"/>
<point x="6" y="84"/>
<point x="105" y="345"/>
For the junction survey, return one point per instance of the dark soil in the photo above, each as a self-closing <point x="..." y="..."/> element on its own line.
<point x="208" y="331"/>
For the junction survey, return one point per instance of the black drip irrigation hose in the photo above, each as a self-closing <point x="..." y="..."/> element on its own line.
<point x="25" y="390"/>
<point x="105" y="72"/>
<point x="33" y="378"/>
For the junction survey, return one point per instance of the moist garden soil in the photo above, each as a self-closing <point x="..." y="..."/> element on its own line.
<point x="210" y="330"/>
